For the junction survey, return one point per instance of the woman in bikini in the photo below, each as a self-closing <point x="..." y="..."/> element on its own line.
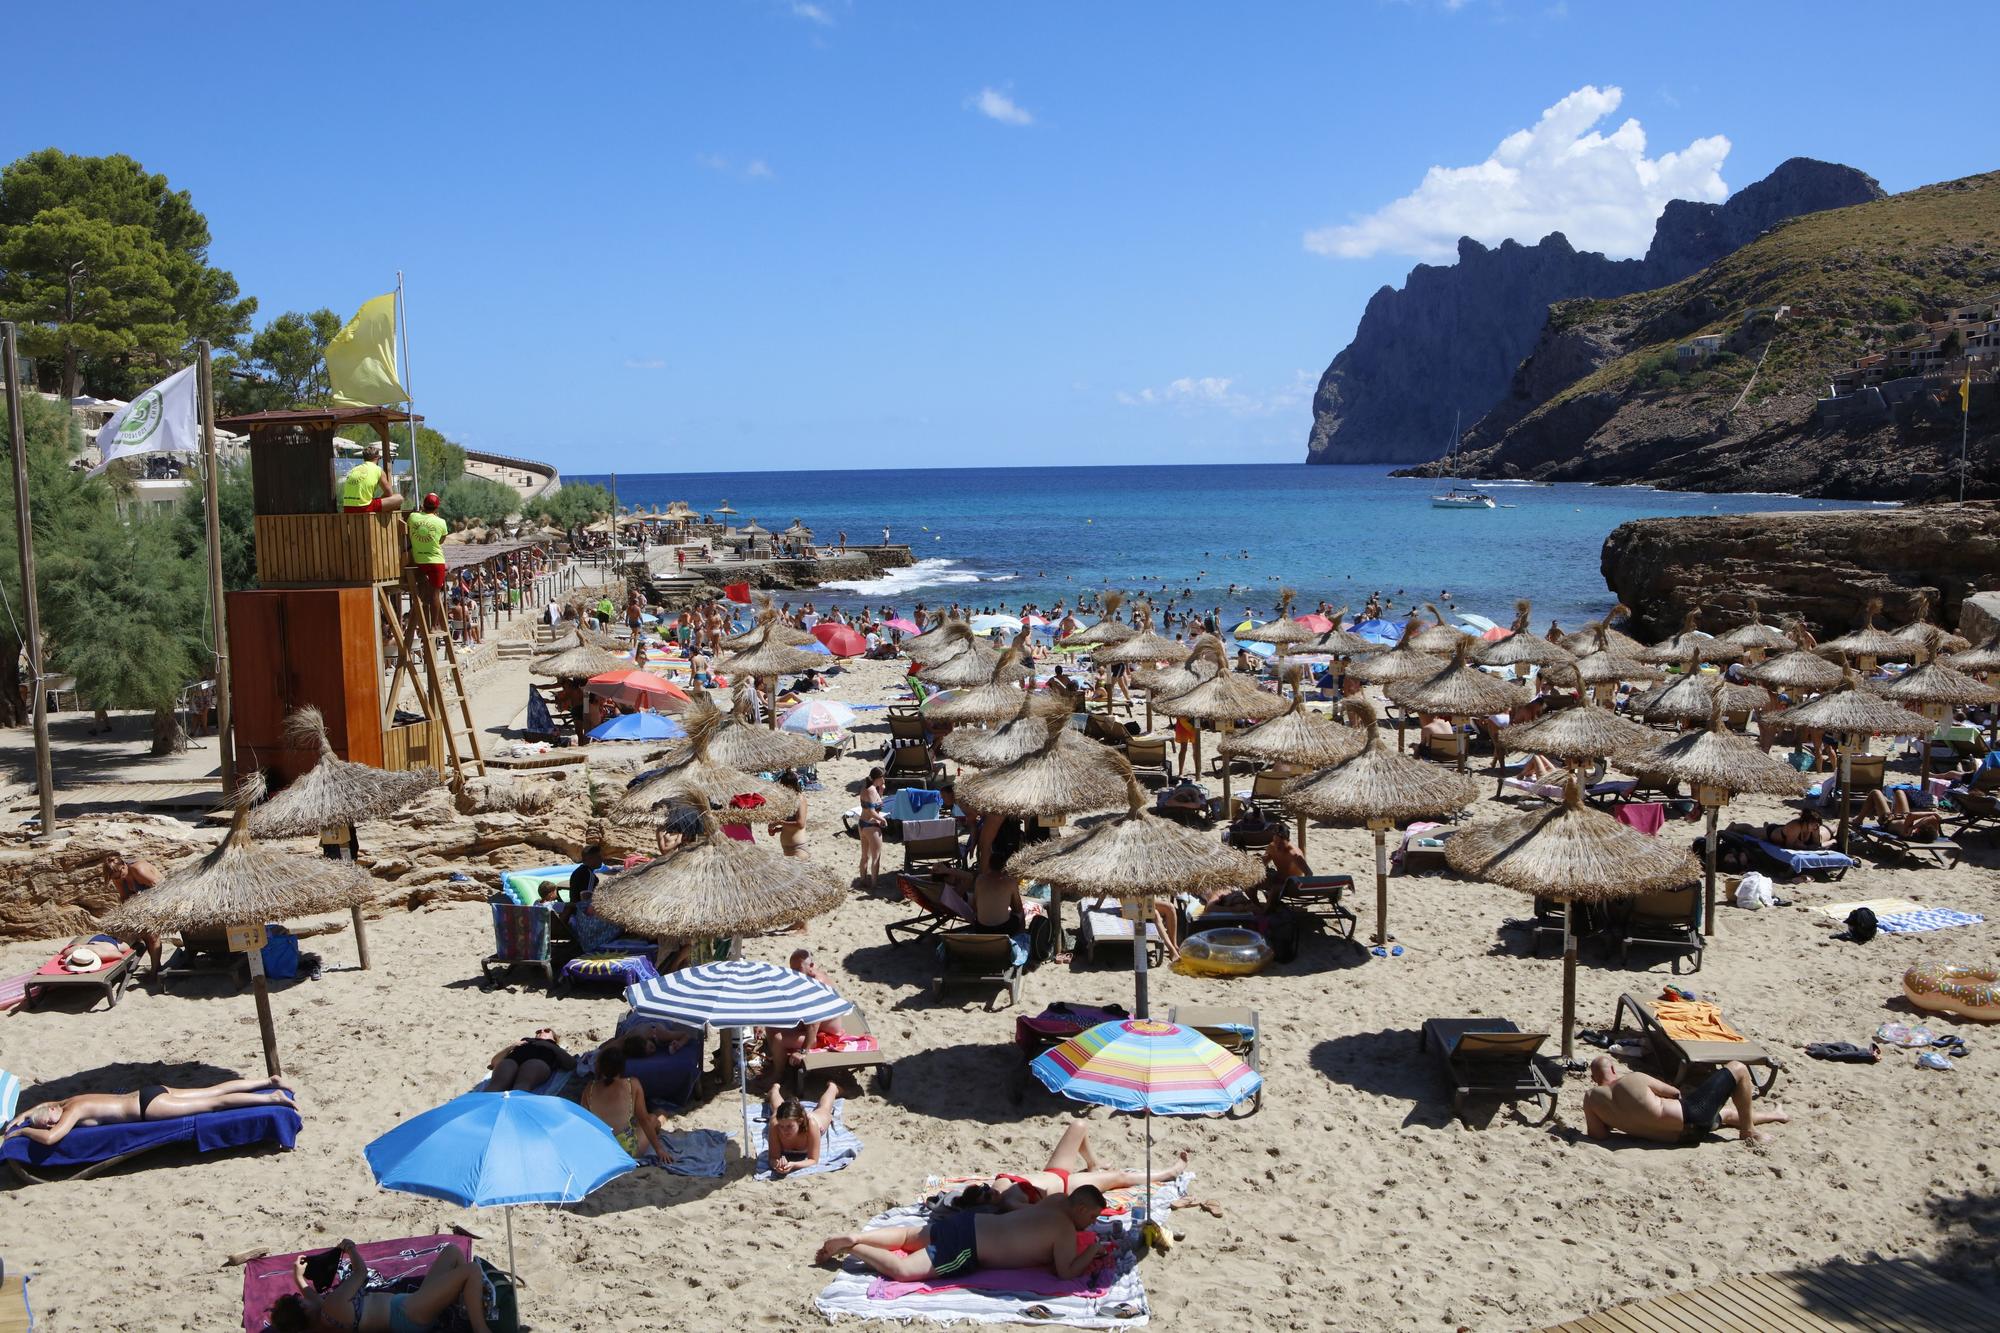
<point x="793" y="1132"/>
<point x="1071" y="1165"/>
<point x="524" y="1066"/>
<point x="871" y="824"/>
<point x="1900" y="819"/>
<point x="51" y="1122"/>
<point x="620" y="1102"/>
<point x="1804" y="830"/>
<point x="450" y="1281"/>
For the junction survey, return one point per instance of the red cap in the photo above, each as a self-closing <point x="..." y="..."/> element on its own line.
<point x="431" y="500"/>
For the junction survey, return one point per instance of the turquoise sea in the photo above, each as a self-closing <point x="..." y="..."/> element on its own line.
<point x="993" y="537"/>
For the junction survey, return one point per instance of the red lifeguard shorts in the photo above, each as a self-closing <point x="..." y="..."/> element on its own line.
<point x="431" y="574"/>
<point x="374" y="506"/>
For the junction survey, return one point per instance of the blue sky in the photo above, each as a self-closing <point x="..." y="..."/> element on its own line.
<point x="850" y="233"/>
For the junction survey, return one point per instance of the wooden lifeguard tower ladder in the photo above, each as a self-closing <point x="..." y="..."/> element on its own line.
<point x="329" y="608"/>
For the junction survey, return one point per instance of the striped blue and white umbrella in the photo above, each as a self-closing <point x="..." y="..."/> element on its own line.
<point x="737" y="995"/>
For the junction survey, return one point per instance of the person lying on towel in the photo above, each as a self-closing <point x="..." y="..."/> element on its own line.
<point x="450" y="1281"/>
<point x="793" y="1132"/>
<point x="957" y="1243"/>
<point x="1651" y="1108"/>
<point x="1071" y="1166"/>
<point x="51" y="1122"/>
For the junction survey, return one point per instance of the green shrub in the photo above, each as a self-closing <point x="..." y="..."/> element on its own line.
<point x="478" y="500"/>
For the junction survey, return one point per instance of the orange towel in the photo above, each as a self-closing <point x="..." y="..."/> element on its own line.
<point x="1694" y="1020"/>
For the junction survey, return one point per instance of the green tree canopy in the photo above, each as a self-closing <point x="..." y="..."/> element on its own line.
<point x="478" y="500"/>
<point x="575" y="505"/>
<point x="288" y="355"/>
<point x="440" y="462"/>
<point x="64" y="503"/>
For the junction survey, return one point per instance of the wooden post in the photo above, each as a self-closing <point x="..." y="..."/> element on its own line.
<point x="224" y="734"/>
<point x="1141" y="912"/>
<point x="346" y="832"/>
<point x="1712" y="798"/>
<point x="45" y="778"/>
<point x="265" y="1028"/>
<point x="1845" y="775"/>
<point x="1225" y="726"/>
<point x="1380" y="828"/>
<point x="1569" y="982"/>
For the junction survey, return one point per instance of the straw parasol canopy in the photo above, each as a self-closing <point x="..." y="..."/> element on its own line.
<point x="1283" y="631"/>
<point x="767" y="627"/>
<point x="1599" y="633"/>
<point x="989" y="748"/>
<point x="1295" y="737"/>
<point x="333" y="792"/>
<point x="740" y="744"/>
<point x="1457" y="689"/>
<point x="696" y="778"/>
<point x="1851" y="709"/>
<point x="1934" y="685"/>
<point x="1524" y="647"/>
<point x="1378" y="787"/>
<point x="1691" y="643"/>
<point x="1440" y="637"/>
<point x="1984" y="658"/>
<point x="919" y="647"/>
<point x="714" y="887"/>
<point x="1754" y="636"/>
<point x="970" y="664"/>
<point x="1602" y="660"/>
<point x="1108" y="629"/>
<point x="1402" y="662"/>
<point x="1144" y="647"/>
<point x="579" y="661"/>
<point x="1922" y="634"/>
<point x="1159" y="682"/>
<point x="1801" y="668"/>
<point x="994" y="701"/>
<point x="1867" y="640"/>
<point x="1224" y="696"/>
<point x="1585" y="731"/>
<point x="1688" y="697"/>
<point x="1065" y="775"/>
<point x="1338" y="642"/>
<point x="1717" y="757"/>
<point x="769" y="657"/>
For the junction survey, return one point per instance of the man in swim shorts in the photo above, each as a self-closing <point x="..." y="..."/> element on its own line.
<point x="957" y="1242"/>
<point x="1651" y="1108"/>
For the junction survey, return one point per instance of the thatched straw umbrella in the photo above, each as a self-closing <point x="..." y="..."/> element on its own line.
<point x="1523" y="648"/>
<point x="579" y="661"/>
<point x="1378" y="789"/>
<point x="1402" y="662"/>
<point x="1439" y="638"/>
<point x="994" y="701"/>
<point x="1688" y="697"/>
<point x="767" y="660"/>
<point x="1936" y="689"/>
<point x="1295" y="738"/>
<point x="766" y="625"/>
<point x="1338" y="642"/>
<point x="1606" y="657"/>
<point x="333" y="796"/>
<point x="693" y="777"/>
<point x="1756" y="638"/>
<point x="931" y="642"/>
<point x="1015" y="738"/>
<point x="1458" y="691"/>
<point x="1143" y="648"/>
<point x="1585" y="731"/>
<point x="1691" y="643"/>
<point x="1223" y="698"/>
<point x="1984" y="662"/>
<point x="1599" y="633"/>
<point x="1867" y="643"/>
<point x="1137" y="858"/>
<point x="1573" y="854"/>
<point x="1799" y="668"/>
<point x="1160" y="682"/>
<point x="1108" y="629"/>
<point x="1065" y="775"/>
<point x="243" y="884"/>
<point x="1850" y="711"/>
<point x="1282" y="632"/>
<point x="741" y="744"/>
<point x="1921" y="633"/>
<point x="961" y="661"/>
<point x="1717" y="764"/>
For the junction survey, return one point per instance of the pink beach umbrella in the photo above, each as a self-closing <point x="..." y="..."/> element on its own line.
<point x="901" y="626"/>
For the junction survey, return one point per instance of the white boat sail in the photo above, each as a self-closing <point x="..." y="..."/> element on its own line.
<point x="1456" y="497"/>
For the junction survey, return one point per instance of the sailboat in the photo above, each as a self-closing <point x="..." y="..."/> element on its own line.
<point x="1457" y="498"/>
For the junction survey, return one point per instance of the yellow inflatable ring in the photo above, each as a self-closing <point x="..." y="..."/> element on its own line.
<point x="1226" y="951"/>
<point x="1970" y="992"/>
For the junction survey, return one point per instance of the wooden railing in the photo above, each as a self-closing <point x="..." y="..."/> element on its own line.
<point x="325" y="549"/>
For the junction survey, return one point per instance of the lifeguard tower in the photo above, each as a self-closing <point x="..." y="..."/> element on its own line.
<point x="331" y="623"/>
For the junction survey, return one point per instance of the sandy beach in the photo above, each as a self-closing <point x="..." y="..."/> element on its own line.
<point x="1353" y="1199"/>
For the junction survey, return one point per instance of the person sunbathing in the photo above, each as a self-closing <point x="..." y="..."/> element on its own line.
<point x="1900" y="819"/>
<point x="449" y="1281"/>
<point x="620" y="1103"/>
<point x="1071" y="1166"/>
<point x="1803" y="830"/>
<point x="1651" y="1108"/>
<point x="51" y="1122"/>
<point x="957" y="1243"/>
<point x="794" y="1132"/>
<point x="1538" y="766"/>
<point x="1282" y="862"/>
<point x="523" y="1066"/>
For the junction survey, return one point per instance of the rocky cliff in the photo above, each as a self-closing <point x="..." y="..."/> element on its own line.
<point x="1448" y="344"/>
<point x="1821" y="567"/>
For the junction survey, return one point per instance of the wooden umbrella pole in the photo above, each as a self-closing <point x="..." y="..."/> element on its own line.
<point x="265" y="1027"/>
<point x="1569" y="982"/>
<point x="1381" y="828"/>
<point x="1225" y="726"/>
<point x="360" y="928"/>
<point x="1845" y="774"/>
<point x="1141" y="912"/>
<point x="1708" y="847"/>
<point x="1458" y="730"/>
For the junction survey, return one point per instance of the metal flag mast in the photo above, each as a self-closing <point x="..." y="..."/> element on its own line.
<point x="224" y="737"/>
<point x="410" y="398"/>
<point x="45" y="780"/>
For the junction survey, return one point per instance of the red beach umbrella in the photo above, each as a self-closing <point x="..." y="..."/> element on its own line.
<point x="1315" y="622"/>
<point x="840" y="640"/>
<point x="640" y="688"/>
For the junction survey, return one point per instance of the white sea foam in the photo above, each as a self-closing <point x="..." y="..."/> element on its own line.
<point x="896" y="582"/>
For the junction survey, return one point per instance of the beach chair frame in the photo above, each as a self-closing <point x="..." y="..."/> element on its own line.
<point x="1321" y="896"/>
<point x="108" y="983"/>
<point x="909" y="766"/>
<point x="1088" y="941"/>
<point x="1490" y="1057"/>
<point x="1666" y="920"/>
<point x="1220" y="1024"/>
<point x="968" y="957"/>
<point x="1941" y="851"/>
<point x="1150" y="759"/>
<point x="933" y="915"/>
<point x="1681" y="1058"/>
<point x="833" y="1064"/>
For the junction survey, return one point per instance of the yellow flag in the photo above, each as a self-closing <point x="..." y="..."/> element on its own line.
<point x="1965" y="392"/>
<point x="361" y="360"/>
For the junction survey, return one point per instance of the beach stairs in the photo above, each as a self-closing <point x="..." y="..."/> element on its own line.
<point x="516" y="650"/>
<point x="445" y="698"/>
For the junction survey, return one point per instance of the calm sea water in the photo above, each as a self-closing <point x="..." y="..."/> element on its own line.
<point x="994" y="537"/>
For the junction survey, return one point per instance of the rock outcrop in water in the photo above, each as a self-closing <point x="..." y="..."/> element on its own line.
<point x="1449" y="342"/>
<point x="1819" y="567"/>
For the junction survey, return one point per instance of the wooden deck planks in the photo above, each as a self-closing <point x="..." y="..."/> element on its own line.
<point x="1897" y="1296"/>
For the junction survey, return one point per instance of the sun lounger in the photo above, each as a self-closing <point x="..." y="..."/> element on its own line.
<point x="1232" y="1028"/>
<point x="1679" y="1057"/>
<point x="89" y="1149"/>
<point x="203" y="954"/>
<point x="1978" y="812"/>
<point x="402" y="1263"/>
<point x="1794" y="861"/>
<point x="824" y="1063"/>
<point x="1489" y="1057"/>
<point x="1321" y="895"/>
<point x="910" y="766"/>
<point x="981" y="958"/>
<point x="108" y="982"/>
<point x="1104" y="923"/>
<point x="16" y="1315"/>
<point x="1666" y="920"/>
<point x="927" y="896"/>
<point x="1149" y="759"/>
<point x="931" y="845"/>
<point x="1940" y="851"/>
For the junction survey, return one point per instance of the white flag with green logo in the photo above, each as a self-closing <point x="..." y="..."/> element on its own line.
<point x="162" y="420"/>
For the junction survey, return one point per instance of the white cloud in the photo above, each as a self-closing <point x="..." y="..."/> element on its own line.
<point x="1600" y="190"/>
<point x="812" y="13"/>
<point x="711" y="161"/>
<point x="1192" y="393"/>
<point x="645" y="363"/>
<point x="756" y="169"/>
<point x="996" y="105"/>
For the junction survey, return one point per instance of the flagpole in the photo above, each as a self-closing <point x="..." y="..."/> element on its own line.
<point x="17" y="435"/>
<point x="410" y="404"/>
<point x="1964" y="435"/>
<point x="225" y="737"/>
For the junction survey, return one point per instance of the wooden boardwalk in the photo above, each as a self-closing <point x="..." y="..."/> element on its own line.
<point x="199" y="794"/>
<point x="1898" y="1296"/>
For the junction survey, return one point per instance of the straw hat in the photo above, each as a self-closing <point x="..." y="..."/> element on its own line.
<point x="1867" y="640"/>
<point x="1523" y="647"/>
<point x="1717" y="757"/>
<point x="716" y="887"/>
<point x="1691" y="643"/>
<point x="1583" y="732"/>
<point x="1222" y="697"/>
<point x="1402" y="662"/>
<point x="1753" y="635"/>
<point x="1108" y="629"/>
<point x="695" y="778"/>
<point x="1294" y="737"/>
<point x="1282" y="631"/>
<point x="1439" y="638"/>
<point x="1136" y="855"/>
<point x="1457" y="690"/>
<point x="1378" y="783"/>
<point x="1571" y="853"/>
<point x="1065" y="775"/>
<point x="333" y="792"/>
<point x="1850" y="709"/>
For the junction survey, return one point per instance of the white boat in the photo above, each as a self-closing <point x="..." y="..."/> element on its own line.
<point x="1457" y="499"/>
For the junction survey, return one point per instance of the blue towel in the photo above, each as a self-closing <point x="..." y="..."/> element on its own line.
<point x="697" y="1152"/>
<point x="10" y="1095"/>
<point x="1926" y="919"/>
<point x="211" y="1131"/>
<point x="837" y="1147"/>
<point x="1802" y="859"/>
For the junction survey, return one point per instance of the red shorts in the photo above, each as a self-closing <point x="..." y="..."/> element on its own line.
<point x="374" y="506"/>
<point x="431" y="574"/>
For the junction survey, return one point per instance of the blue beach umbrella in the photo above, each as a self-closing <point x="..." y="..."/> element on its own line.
<point x="497" y="1149"/>
<point x="1266" y="651"/>
<point x="1378" y="630"/>
<point x="817" y="648"/>
<point x="638" y="727"/>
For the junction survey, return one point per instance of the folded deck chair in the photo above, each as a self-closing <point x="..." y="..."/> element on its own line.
<point x="1679" y="1054"/>
<point x="88" y="1149"/>
<point x="1489" y="1057"/>
<point x="1105" y="923"/>
<point x="859" y="1050"/>
<point x="1234" y="1029"/>
<point x="106" y="982"/>
<point x="1667" y="920"/>
<point x="1940" y="851"/>
<point x="520" y="939"/>
<point x="981" y="958"/>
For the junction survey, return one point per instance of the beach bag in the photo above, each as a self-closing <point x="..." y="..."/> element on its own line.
<point x="1755" y="890"/>
<point x="1861" y="925"/>
<point x="1802" y="760"/>
<point x="281" y="954"/>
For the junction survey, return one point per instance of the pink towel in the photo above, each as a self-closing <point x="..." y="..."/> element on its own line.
<point x="1646" y="816"/>
<point x="266" y="1279"/>
<point x="1008" y="1281"/>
